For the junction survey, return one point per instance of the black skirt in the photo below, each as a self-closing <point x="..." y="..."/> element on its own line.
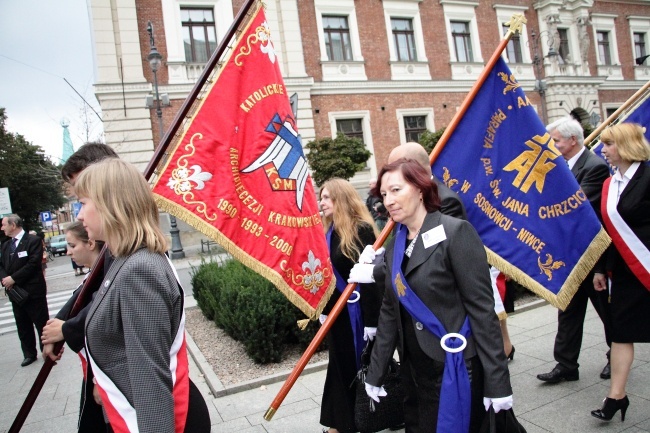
<point x="339" y="396"/>
<point x="629" y="309"/>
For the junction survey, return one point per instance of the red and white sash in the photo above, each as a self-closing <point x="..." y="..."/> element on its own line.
<point x="633" y="251"/>
<point x="498" y="291"/>
<point x="120" y="413"/>
<point x="84" y="361"/>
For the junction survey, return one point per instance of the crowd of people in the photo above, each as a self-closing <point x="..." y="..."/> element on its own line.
<point x="428" y="295"/>
<point x="432" y="286"/>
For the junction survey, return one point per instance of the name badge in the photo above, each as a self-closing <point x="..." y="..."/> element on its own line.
<point x="22" y="254"/>
<point x="434" y="236"/>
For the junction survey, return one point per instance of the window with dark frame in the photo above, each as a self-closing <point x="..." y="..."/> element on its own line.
<point x="414" y="127"/>
<point x="639" y="45"/>
<point x="603" y="48"/>
<point x="352" y="128"/>
<point x="563" y="49"/>
<point x="462" y="41"/>
<point x="610" y="111"/>
<point x="337" y="38"/>
<point x="404" y="39"/>
<point x="199" y="34"/>
<point x="513" y="49"/>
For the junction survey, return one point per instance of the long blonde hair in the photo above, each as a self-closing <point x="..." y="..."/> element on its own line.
<point x="349" y="213"/>
<point x="127" y="210"/>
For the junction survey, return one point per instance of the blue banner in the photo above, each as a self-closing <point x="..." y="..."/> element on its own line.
<point x="534" y="220"/>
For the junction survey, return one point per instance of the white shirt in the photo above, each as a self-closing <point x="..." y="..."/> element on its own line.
<point x="620" y="181"/>
<point x="572" y="161"/>
<point x="19" y="236"/>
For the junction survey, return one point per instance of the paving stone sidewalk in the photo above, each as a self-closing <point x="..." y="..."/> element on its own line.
<point x="540" y="407"/>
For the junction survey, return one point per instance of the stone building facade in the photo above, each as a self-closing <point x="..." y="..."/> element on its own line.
<point x="382" y="70"/>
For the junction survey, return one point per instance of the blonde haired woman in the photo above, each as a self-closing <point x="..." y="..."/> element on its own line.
<point x="349" y="227"/>
<point x="135" y="336"/>
<point x="624" y="207"/>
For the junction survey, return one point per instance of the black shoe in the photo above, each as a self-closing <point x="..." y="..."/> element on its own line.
<point x="27" y="361"/>
<point x="610" y="407"/>
<point x="511" y="356"/>
<point x="607" y="372"/>
<point x="397" y="427"/>
<point x="556" y="375"/>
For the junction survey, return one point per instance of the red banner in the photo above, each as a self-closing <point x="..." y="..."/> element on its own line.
<point x="239" y="175"/>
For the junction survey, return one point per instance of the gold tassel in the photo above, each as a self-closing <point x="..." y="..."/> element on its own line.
<point x="302" y="324"/>
<point x="598" y="245"/>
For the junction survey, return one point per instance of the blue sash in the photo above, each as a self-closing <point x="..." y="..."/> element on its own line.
<point x="455" y="394"/>
<point x="354" y="308"/>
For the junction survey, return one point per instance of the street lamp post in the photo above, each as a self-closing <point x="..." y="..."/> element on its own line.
<point x="155" y="60"/>
<point x="538" y="63"/>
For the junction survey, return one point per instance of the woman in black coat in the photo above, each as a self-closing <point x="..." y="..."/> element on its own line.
<point x="349" y="227"/>
<point x="437" y="295"/>
<point x="624" y="207"/>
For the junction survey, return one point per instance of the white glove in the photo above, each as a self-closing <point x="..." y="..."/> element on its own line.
<point x="374" y="392"/>
<point x="369" y="333"/>
<point x="322" y="318"/>
<point x="502" y="403"/>
<point x="371" y="256"/>
<point x="362" y="273"/>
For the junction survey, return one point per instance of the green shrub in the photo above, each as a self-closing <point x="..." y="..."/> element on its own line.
<point x="202" y="279"/>
<point x="250" y="309"/>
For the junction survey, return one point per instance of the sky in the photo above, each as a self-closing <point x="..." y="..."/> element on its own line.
<point x="41" y="44"/>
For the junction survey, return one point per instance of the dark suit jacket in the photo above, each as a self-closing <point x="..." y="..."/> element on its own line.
<point x="634" y="208"/>
<point x="450" y="202"/>
<point x="452" y="279"/>
<point x="590" y="171"/>
<point x="27" y="271"/>
<point x="73" y="327"/>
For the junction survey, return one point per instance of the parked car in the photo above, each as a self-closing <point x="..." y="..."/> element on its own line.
<point x="58" y="245"/>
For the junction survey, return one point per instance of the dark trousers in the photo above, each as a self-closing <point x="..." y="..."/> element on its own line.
<point x="568" y="340"/>
<point x="33" y="314"/>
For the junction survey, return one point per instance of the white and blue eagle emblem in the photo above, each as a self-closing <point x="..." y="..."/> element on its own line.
<point x="283" y="161"/>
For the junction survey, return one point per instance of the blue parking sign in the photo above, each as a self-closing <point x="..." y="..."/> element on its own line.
<point x="46" y="216"/>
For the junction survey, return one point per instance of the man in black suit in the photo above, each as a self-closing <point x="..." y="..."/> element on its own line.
<point x="20" y="265"/>
<point x="450" y="202"/>
<point x="590" y="171"/>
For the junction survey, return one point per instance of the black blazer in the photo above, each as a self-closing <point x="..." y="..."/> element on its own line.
<point x="634" y="208"/>
<point x="73" y="327"/>
<point x="27" y="271"/>
<point x="590" y="171"/>
<point x="452" y="279"/>
<point x="450" y="202"/>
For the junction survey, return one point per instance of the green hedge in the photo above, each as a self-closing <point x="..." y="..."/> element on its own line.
<point x="250" y="309"/>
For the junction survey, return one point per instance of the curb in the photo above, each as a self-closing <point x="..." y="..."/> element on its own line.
<point x="529" y="306"/>
<point x="211" y="379"/>
<point x="219" y="390"/>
